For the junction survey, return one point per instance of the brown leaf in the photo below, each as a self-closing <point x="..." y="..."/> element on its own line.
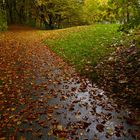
<point x="100" y="127"/>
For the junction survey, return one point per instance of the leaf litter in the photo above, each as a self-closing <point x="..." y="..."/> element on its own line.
<point x="42" y="97"/>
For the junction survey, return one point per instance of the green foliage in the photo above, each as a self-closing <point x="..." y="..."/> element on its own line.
<point x="44" y="13"/>
<point x="58" y="13"/>
<point x="52" y="14"/>
<point x="94" y="11"/>
<point x="126" y="12"/>
<point x="135" y="22"/>
<point x="3" y="23"/>
<point x="85" y="44"/>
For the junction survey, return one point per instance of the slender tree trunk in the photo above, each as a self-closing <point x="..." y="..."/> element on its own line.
<point x="50" y="21"/>
<point x="9" y="10"/>
<point x="127" y="13"/>
<point x="2" y="5"/>
<point x="43" y="20"/>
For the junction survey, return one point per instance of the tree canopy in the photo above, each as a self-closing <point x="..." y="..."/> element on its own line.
<point x="63" y="13"/>
<point x="48" y="13"/>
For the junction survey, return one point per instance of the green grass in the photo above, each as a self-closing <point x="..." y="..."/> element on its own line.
<point x="84" y="45"/>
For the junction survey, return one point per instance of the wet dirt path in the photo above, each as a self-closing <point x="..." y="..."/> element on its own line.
<point x="42" y="98"/>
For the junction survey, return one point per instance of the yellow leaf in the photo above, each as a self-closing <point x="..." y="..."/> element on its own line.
<point x="59" y="127"/>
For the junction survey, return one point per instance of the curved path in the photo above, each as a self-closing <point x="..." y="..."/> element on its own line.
<point x="43" y="98"/>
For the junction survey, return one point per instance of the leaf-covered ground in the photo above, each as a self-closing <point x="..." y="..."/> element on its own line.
<point x="43" y="98"/>
<point x="120" y="74"/>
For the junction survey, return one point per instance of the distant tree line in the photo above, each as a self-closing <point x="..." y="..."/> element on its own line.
<point x="51" y="14"/>
<point x="42" y="13"/>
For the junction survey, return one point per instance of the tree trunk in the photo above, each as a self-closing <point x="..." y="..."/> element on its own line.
<point x="9" y="7"/>
<point x="127" y="13"/>
<point x="50" y="21"/>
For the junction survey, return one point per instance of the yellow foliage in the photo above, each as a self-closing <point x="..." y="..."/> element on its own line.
<point x="103" y="2"/>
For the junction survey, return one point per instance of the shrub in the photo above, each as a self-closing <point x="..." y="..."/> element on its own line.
<point x="134" y="23"/>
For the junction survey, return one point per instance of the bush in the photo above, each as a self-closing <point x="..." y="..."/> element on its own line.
<point x="3" y="22"/>
<point x="132" y="24"/>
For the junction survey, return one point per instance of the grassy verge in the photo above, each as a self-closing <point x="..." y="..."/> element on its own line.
<point x="86" y="45"/>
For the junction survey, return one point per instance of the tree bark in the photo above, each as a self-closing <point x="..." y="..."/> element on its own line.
<point x="50" y="21"/>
